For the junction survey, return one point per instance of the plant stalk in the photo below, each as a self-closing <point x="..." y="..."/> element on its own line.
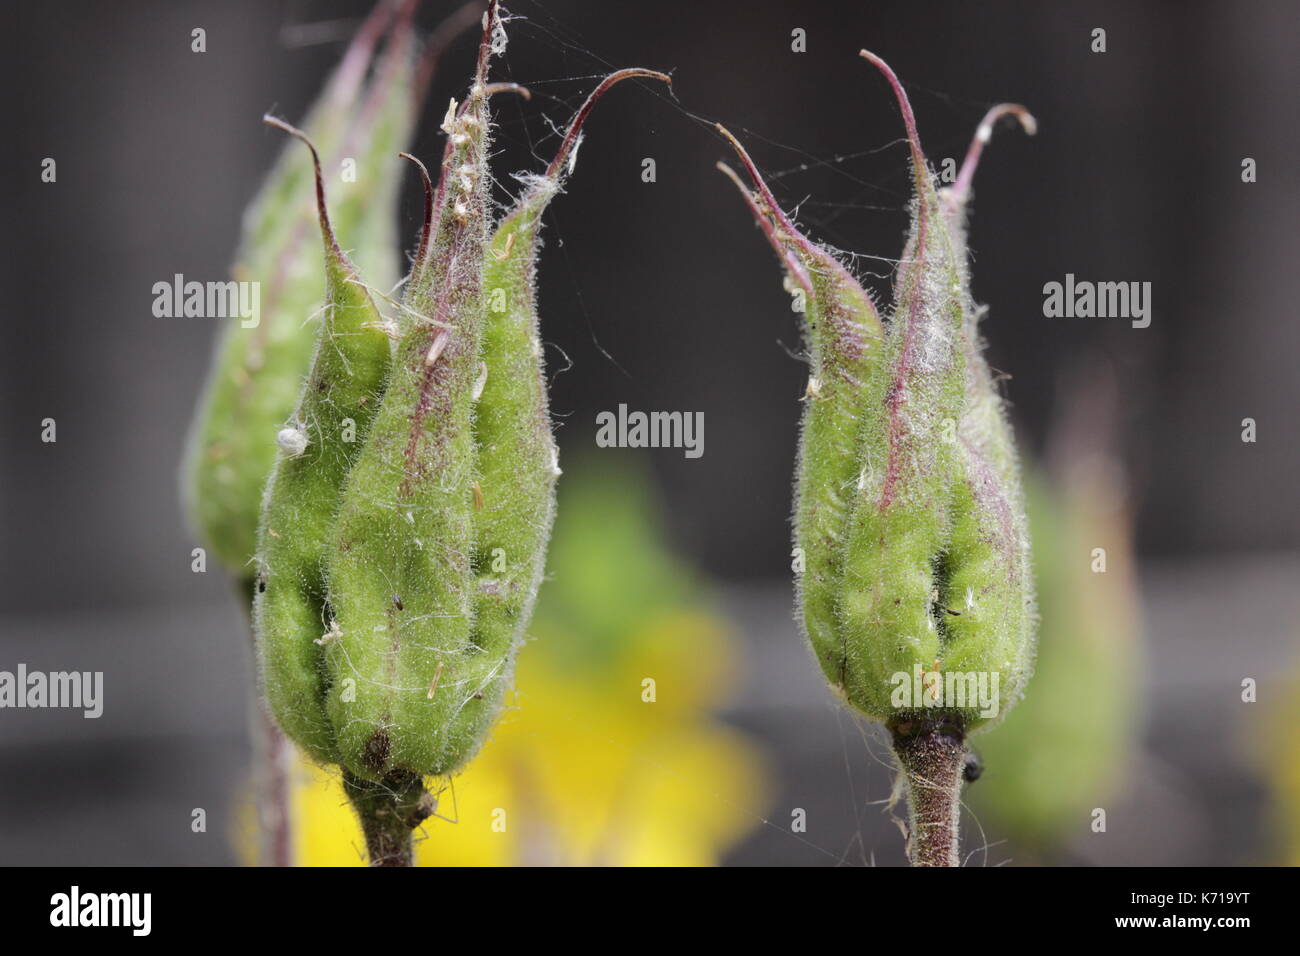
<point x="272" y="761"/>
<point x="932" y="756"/>
<point x="389" y="810"/>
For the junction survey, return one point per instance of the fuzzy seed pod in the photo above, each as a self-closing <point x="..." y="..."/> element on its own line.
<point x="909" y="517"/>
<point x="400" y="570"/>
<point x="432" y="529"/>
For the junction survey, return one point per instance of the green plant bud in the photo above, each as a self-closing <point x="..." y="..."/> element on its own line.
<point x="364" y="116"/>
<point x="897" y="545"/>
<point x="436" y="548"/>
<point x="333" y="416"/>
<point x="910" y="519"/>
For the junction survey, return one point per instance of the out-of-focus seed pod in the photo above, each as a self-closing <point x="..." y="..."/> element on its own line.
<point x="1068" y="747"/>
<point x="916" y="594"/>
<point x="362" y="119"/>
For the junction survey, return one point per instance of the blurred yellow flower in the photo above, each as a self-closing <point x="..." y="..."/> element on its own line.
<point x="1276" y="754"/>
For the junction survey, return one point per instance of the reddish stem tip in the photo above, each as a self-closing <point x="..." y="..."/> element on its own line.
<point x="580" y="117"/>
<point x="983" y="133"/>
<point x="491" y="21"/>
<point x="295" y="132"/>
<point x="426" y="230"/>
<point x="493" y="88"/>
<point x="773" y="207"/>
<point x="909" y="118"/>
<point x="764" y="220"/>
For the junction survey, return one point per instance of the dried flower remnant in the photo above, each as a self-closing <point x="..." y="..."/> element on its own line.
<point x="916" y="595"/>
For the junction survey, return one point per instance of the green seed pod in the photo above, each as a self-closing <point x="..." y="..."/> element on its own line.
<point x="431" y="534"/>
<point x="333" y="416"/>
<point x="358" y="124"/>
<point x="910" y="518"/>
<point x="897" y="542"/>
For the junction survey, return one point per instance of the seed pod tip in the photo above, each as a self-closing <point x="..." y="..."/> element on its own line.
<point x="571" y="136"/>
<point x="322" y="211"/>
<point x="983" y="133"/>
<point x="905" y="107"/>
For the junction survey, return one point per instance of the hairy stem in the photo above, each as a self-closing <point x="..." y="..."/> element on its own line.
<point x="389" y="810"/>
<point x="932" y="757"/>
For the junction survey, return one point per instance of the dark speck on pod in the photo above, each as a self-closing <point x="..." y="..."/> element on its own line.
<point x="377" y="750"/>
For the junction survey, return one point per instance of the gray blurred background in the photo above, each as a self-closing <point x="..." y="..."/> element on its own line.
<point x="664" y="296"/>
